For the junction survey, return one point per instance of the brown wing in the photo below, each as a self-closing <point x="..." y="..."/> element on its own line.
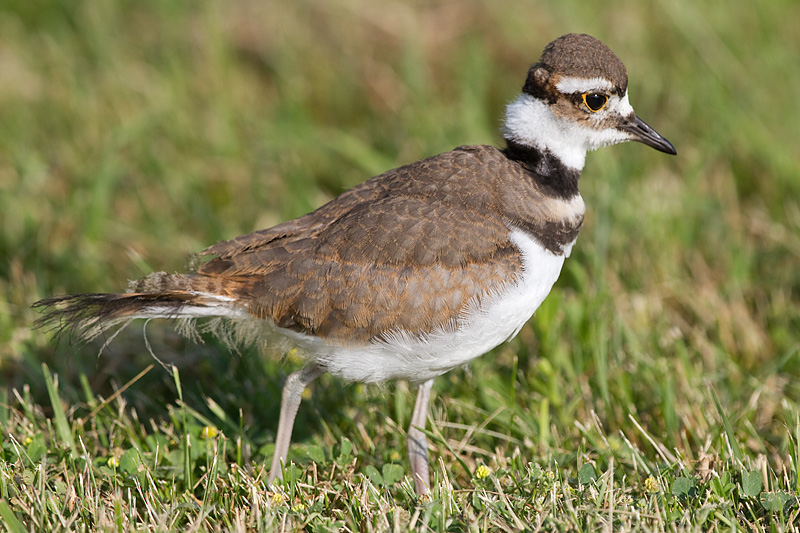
<point x="384" y="256"/>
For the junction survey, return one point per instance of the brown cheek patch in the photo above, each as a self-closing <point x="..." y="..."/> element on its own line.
<point x="566" y="108"/>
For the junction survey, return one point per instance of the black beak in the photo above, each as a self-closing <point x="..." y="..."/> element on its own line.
<point x="644" y="134"/>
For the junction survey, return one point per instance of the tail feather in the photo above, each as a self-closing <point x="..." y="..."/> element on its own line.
<point x="86" y="316"/>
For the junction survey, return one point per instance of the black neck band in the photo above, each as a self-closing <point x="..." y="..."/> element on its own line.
<point x="549" y="171"/>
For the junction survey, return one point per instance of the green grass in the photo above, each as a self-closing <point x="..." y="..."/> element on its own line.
<point x="657" y="388"/>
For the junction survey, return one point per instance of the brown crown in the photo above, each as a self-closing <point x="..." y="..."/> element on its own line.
<point x="577" y="54"/>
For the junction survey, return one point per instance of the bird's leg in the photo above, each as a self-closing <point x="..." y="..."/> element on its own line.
<point x="292" y="393"/>
<point x="418" y="441"/>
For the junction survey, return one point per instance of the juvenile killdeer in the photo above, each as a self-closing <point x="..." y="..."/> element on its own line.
<point x="416" y="271"/>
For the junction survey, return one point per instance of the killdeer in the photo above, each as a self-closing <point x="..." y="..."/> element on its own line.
<point x="415" y="271"/>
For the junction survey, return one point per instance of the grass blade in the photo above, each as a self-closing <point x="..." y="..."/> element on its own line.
<point x="62" y="426"/>
<point x="187" y="444"/>
<point x="726" y="423"/>
<point x="13" y="525"/>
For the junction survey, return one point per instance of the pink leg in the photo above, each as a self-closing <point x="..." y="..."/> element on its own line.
<point x="292" y="393"/>
<point x="417" y="440"/>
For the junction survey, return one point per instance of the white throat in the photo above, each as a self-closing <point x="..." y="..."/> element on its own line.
<point x="531" y="122"/>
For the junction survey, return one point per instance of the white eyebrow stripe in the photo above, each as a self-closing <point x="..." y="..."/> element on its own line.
<point x="624" y="106"/>
<point x="574" y="84"/>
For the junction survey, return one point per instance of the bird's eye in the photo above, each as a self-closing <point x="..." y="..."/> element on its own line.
<point x="595" y="101"/>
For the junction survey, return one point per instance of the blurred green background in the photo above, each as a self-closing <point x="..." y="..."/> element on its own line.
<point x="135" y="133"/>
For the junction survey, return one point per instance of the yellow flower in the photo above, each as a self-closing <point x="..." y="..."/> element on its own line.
<point x="113" y="462"/>
<point x="298" y="508"/>
<point x="277" y="498"/>
<point x="650" y="484"/>
<point x="483" y="472"/>
<point x="209" y="432"/>
<point x="27" y="441"/>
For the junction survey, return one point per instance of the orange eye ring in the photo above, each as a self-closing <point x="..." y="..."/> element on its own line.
<point x="595" y="101"/>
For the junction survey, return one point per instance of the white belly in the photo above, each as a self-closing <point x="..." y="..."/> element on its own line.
<point x="481" y="328"/>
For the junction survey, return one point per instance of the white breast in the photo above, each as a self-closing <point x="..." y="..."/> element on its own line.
<point x="481" y="328"/>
